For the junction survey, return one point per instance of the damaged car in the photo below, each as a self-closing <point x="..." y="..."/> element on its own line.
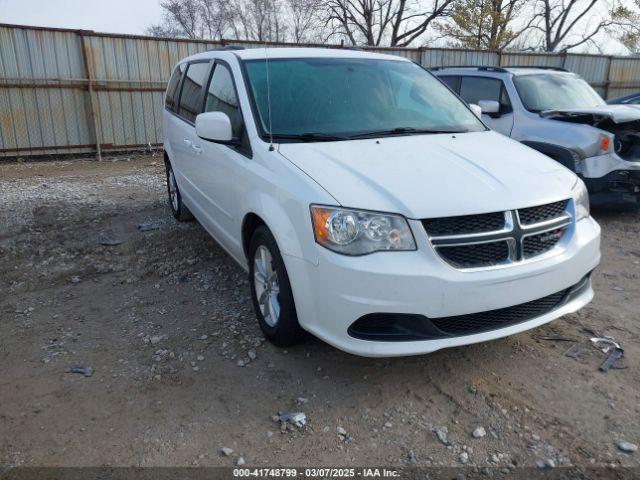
<point x="559" y="114"/>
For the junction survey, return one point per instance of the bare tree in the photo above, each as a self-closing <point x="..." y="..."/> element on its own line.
<point x="389" y="22"/>
<point x="484" y="23"/>
<point x="183" y="15"/>
<point x="216" y="19"/>
<point x="305" y="22"/>
<point x="567" y="24"/>
<point x="627" y="18"/>
<point x="259" y="20"/>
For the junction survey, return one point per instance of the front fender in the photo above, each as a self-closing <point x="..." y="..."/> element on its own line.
<point x="560" y="154"/>
<point x="290" y="222"/>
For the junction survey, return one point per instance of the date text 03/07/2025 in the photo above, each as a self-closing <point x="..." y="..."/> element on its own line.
<point x="316" y="473"/>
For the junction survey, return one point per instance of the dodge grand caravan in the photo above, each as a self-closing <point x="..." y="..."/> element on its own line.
<point x="369" y="204"/>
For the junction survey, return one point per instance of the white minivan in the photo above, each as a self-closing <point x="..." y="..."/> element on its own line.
<point x="369" y="204"/>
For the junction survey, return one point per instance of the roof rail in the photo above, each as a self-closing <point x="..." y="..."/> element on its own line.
<point x="540" y="67"/>
<point x="226" y="47"/>
<point x="486" y="68"/>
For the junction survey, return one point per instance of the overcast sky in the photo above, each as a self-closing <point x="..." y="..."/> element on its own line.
<point x="117" y="16"/>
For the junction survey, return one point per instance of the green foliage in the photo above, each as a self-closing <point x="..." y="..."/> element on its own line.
<point x="483" y="23"/>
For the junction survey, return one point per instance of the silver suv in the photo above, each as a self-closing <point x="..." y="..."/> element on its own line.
<point x="557" y="113"/>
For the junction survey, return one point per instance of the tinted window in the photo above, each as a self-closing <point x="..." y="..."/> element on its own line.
<point x="221" y="97"/>
<point x="191" y="89"/>
<point x="344" y="96"/>
<point x="171" y="99"/>
<point x="473" y="89"/>
<point x="452" y="82"/>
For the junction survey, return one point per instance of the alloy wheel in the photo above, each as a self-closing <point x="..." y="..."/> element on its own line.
<point x="265" y="282"/>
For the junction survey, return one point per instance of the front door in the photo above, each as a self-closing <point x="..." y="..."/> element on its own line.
<point x="474" y="89"/>
<point x="217" y="179"/>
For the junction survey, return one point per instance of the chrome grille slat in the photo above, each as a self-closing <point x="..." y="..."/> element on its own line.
<point x="507" y="242"/>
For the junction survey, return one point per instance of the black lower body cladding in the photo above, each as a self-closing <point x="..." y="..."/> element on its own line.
<point x="396" y="327"/>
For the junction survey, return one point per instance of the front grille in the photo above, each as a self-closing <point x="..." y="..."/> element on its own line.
<point x="494" y="319"/>
<point x="542" y="213"/>
<point x="464" y="224"/>
<point x="543" y="242"/>
<point x="498" y="238"/>
<point x="476" y="255"/>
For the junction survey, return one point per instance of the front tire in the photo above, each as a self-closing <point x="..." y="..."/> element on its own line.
<point x="271" y="291"/>
<point x="178" y="208"/>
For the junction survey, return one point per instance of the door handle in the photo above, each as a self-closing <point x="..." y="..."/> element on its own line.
<point x="187" y="142"/>
<point x="196" y="148"/>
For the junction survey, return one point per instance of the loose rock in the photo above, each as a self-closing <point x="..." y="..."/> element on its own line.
<point x="442" y="433"/>
<point x="627" y="447"/>
<point x="479" y="432"/>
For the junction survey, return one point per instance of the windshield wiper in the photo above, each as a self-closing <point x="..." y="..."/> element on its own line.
<point x="309" y="137"/>
<point x="403" y="131"/>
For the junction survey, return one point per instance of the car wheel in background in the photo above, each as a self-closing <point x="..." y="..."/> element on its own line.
<point x="178" y="208"/>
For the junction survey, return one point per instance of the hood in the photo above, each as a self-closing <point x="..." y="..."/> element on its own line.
<point x="596" y="115"/>
<point x="422" y="176"/>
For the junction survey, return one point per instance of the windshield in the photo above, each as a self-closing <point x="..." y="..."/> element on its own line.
<point x="338" y="98"/>
<point x="555" y="92"/>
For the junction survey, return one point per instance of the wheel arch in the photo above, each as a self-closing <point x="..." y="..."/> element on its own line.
<point x="287" y="222"/>
<point x="250" y="224"/>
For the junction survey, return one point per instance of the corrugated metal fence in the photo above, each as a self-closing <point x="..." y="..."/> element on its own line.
<point x="75" y="91"/>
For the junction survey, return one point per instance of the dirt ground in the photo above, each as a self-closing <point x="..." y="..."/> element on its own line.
<point x="163" y="318"/>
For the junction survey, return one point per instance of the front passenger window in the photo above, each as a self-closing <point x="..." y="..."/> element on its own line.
<point x="190" y="98"/>
<point x="474" y="89"/>
<point x="221" y="97"/>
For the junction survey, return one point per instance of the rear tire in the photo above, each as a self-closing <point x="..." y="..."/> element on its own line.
<point x="271" y="291"/>
<point x="178" y="208"/>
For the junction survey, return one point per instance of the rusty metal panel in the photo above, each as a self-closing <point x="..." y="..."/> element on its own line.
<point x="26" y="53"/>
<point x="32" y="119"/>
<point x="625" y="71"/>
<point x="46" y="86"/>
<point x="442" y="57"/>
<point x="590" y="67"/>
<point x="527" y="59"/>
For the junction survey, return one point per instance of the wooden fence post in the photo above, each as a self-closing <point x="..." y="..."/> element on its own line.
<point x="607" y="80"/>
<point x="93" y="107"/>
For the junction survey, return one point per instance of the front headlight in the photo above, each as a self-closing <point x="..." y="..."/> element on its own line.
<point x="358" y="232"/>
<point x="580" y="200"/>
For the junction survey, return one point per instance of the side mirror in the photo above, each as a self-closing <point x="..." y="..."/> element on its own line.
<point x="477" y="111"/>
<point x="489" y="106"/>
<point x="215" y="127"/>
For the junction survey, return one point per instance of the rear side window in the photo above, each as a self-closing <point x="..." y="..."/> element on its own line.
<point x="474" y="89"/>
<point x="191" y="95"/>
<point x="452" y="82"/>
<point x="221" y="97"/>
<point x="171" y="99"/>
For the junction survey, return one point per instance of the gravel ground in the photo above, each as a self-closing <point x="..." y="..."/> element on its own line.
<point x="180" y="370"/>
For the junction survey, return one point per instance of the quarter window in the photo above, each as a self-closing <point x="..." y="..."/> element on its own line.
<point x="474" y="89"/>
<point x="171" y="99"/>
<point x="221" y="97"/>
<point x="190" y="105"/>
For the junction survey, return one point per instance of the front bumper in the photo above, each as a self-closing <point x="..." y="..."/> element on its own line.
<point x="333" y="294"/>
<point x="621" y="187"/>
<point x="611" y="180"/>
